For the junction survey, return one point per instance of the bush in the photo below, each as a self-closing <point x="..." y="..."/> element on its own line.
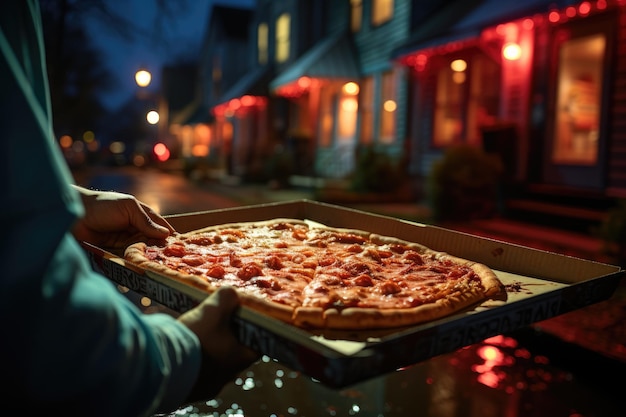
<point x="375" y="171"/>
<point x="612" y="231"/>
<point x="463" y="184"/>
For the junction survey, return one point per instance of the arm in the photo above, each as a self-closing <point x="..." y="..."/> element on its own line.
<point x="75" y="344"/>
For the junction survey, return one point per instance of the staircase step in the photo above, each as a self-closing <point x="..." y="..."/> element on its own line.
<point x="594" y="215"/>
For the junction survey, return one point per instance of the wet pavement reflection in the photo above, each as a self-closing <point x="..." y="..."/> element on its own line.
<point x="526" y="373"/>
<point x="498" y="377"/>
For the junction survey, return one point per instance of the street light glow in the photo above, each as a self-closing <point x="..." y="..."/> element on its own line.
<point x="152" y="117"/>
<point x="143" y="78"/>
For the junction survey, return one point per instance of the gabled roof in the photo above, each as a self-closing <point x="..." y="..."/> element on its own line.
<point x="254" y="83"/>
<point x="334" y="57"/>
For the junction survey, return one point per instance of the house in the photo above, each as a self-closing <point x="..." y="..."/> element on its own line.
<point x="210" y="143"/>
<point x="539" y="82"/>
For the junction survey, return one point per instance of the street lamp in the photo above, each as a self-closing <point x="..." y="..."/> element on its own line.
<point x="152" y="117"/>
<point x="143" y="78"/>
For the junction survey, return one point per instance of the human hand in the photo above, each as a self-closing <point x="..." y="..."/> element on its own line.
<point x="223" y="356"/>
<point x="115" y="220"/>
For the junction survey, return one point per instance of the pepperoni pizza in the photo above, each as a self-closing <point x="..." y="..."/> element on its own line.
<point x="315" y="276"/>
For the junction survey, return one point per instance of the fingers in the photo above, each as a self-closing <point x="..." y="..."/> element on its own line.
<point x="226" y="297"/>
<point x="156" y="218"/>
<point x="148" y="222"/>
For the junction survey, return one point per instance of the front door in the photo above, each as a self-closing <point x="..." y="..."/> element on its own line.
<point x="574" y="153"/>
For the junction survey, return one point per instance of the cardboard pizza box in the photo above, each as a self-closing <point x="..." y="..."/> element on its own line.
<point x="540" y="285"/>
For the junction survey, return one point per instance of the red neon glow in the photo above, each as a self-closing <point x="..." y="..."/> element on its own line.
<point x="161" y="152"/>
<point x="234" y="104"/>
<point x="304" y="82"/>
<point x="601" y="4"/>
<point x="570" y="12"/>
<point x="554" y="17"/>
<point x="584" y="8"/>
<point x="237" y="105"/>
<point x="511" y="51"/>
<point x="528" y="24"/>
<point x="248" y="101"/>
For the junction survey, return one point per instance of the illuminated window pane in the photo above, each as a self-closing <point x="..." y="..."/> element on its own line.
<point x="366" y="103"/>
<point x="382" y="11"/>
<point x="348" y="107"/>
<point x="282" y="37"/>
<point x="356" y="15"/>
<point x="578" y="100"/>
<point x="448" y="123"/>
<point x="262" y="43"/>
<point x="326" y="120"/>
<point x="388" y="107"/>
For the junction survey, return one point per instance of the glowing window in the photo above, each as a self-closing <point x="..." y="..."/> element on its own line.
<point x="382" y="11"/>
<point x="282" y="37"/>
<point x="388" y="107"/>
<point x="579" y="86"/>
<point x="356" y="15"/>
<point x="262" y="43"/>
<point x="366" y="104"/>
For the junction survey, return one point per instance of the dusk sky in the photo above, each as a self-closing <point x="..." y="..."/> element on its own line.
<point x="125" y="57"/>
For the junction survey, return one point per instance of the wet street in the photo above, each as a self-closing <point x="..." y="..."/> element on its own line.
<point x="526" y="373"/>
<point x="167" y="193"/>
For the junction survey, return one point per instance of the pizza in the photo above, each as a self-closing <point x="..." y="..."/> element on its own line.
<point x="314" y="276"/>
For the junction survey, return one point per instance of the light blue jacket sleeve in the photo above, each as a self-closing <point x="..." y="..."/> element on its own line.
<point x="71" y="342"/>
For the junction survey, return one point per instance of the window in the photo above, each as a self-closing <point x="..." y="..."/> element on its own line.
<point x="579" y="85"/>
<point x="282" y="37"/>
<point x="262" y="43"/>
<point x="388" y="107"/>
<point x="326" y="120"/>
<point x="382" y="11"/>
<point x="347" y="112"/>
<point x="216" y="75"/>
<point x="356" y="15"/>
<point x="366" y="106"/>
<point x="466" y="99"/>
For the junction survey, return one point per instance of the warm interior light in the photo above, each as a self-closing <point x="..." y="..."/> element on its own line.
<point x="458" y="65"/>
<point x="511" y="51"/>
<point x="389" y="105"/>
<point x="458" y="77"/>
<point x="351" y="88"/>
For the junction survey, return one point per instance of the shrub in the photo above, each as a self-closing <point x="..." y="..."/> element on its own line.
<point x="375" y="171"/>
<point x="612" y="231"/>
<point x="463" y="184"/>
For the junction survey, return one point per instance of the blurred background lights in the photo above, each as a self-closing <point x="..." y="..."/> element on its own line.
<point x="458" y="65"/>
<point x="152" y="117"/>
<point x="143" y="78"/>
<point x="117" y="147"/>
<point x="65" y="141"/>
<point x="351" y="88"/>
<point x="390" y="106"/>
<point x="512" y="51"/>
<point x="161" y="152"/>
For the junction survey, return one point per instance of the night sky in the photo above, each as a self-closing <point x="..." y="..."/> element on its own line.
<point x="185" y="34"/>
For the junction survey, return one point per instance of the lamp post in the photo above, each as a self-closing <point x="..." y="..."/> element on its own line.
<point x="155" y="117"/>
<point x="143" y="78"/>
